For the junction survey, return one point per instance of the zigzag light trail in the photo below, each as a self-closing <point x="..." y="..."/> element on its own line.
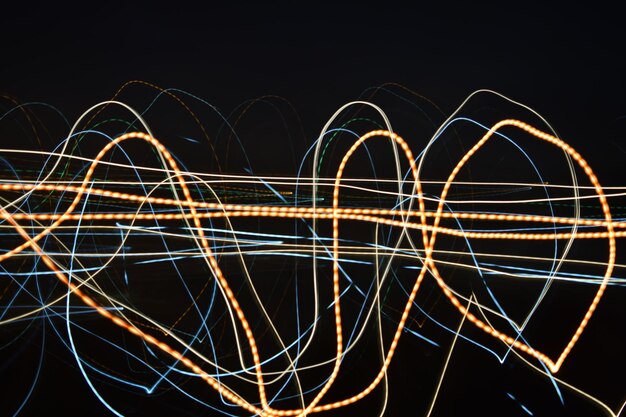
<point x="211" y="245"/>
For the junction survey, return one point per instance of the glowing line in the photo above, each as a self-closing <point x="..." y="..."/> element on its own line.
<point x="429" y="233"/>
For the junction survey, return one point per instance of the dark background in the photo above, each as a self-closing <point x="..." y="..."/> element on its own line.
<point x="565" y="62"/>
<point x="568" y="63"/>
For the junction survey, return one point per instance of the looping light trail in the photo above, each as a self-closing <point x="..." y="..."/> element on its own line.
<point x="427" y="222"/>
<point x="269" y="290"/>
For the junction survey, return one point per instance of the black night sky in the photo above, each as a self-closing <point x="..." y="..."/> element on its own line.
<point x="567" y="63"/>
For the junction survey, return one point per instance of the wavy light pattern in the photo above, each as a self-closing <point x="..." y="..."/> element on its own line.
<point x="46" y="219"/>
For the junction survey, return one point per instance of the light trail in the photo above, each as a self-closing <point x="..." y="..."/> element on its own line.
<point x="195" y="201"/>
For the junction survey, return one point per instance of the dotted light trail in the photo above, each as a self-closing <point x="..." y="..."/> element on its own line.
<point x="91" y="207"/>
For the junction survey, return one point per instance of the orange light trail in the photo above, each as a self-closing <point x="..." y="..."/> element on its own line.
<point x="428" y="224"/>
